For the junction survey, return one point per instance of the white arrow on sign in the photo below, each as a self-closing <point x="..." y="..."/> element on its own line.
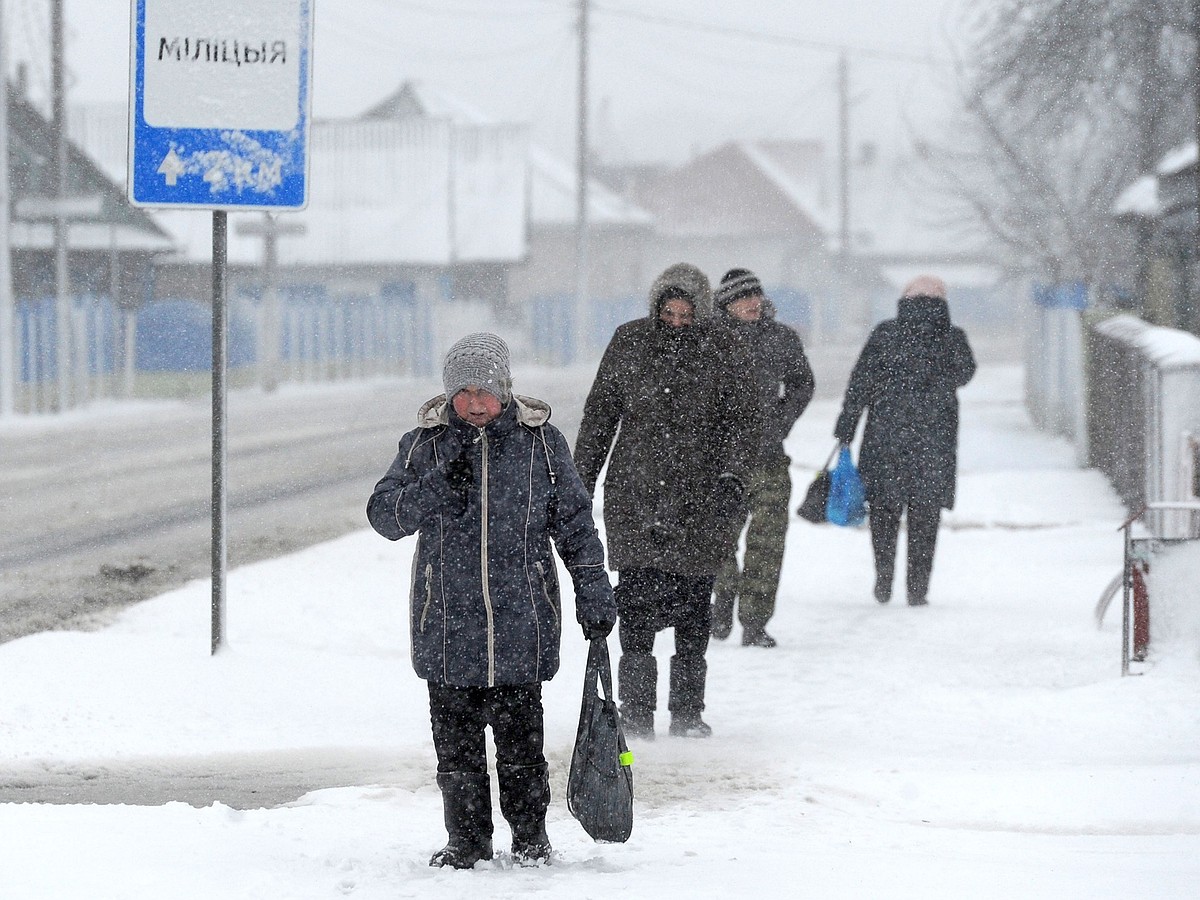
<point x="171" y="167"/>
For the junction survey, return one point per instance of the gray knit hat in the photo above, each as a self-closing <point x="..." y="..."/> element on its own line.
<point x="478" y="360"/>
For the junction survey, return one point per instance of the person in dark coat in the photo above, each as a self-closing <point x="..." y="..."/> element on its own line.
<point x="671" y="403"/>
<point x="487" y="484"/>
<point x="906" y="379"/>
<point x="780" y="369"/>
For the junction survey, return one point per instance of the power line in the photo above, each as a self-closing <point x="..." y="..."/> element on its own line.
<point x="487" y="11"/>
<point x="769" y="37"/>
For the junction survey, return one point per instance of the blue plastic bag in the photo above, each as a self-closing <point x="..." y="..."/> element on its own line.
<point x="847" y="499"/>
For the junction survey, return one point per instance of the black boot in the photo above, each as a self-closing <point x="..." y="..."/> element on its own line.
<point x="688" y="674"/>
<point x="637" y="688"/>
<point x="883" y="588"/>
<point x="467" y="806"/>
<point x="756" y="636"/>
<point x="524" y="799"/>
<point x="722" y="614"/>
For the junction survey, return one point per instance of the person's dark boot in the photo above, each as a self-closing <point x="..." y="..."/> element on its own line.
<point x="524" y="799"/>
<point x="467" y="807"/>
<point x="637" y="688"/>
<point x="756" y="636"/>
<point x="722" y="614"/>
<point x="883" y="589"/>
<point x="689" y="725"/>
<point x="688" y="675"/>
<point x="637" y="723"/>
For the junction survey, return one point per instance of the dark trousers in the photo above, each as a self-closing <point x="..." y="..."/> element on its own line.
<point x="649" y="600"/>
<point x="459" y="716"/>
<point x="922" y="522"/>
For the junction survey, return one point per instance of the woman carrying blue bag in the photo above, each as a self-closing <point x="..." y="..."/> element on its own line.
<point x="906" y="379"/>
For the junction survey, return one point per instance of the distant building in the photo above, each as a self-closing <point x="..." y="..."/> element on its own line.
<point x="110" y="255"/>
<point x="1160" y="209"/>
<point x="410" y="222"/>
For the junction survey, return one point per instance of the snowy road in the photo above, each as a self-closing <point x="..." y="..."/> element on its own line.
<point x="111" y="505"/>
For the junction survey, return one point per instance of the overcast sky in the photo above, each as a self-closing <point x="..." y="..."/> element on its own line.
<point x="668" y="77"/>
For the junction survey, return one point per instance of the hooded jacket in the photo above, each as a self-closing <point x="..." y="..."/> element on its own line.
<point x="485" y="607"/>
<point x="673" y="407"/>
<point x="782" y="373"/>
<point x="906" y="379"/>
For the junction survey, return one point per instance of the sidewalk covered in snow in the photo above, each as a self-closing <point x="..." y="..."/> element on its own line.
<point x="984" y="746"/>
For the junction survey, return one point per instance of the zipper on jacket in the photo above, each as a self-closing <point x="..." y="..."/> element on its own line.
<point x="546" y="590"/>
<point x="428" y="594"/>
<point x="483" y="568"/>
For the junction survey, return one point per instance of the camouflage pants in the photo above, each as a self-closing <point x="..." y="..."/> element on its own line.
<point x="752" y="588"/>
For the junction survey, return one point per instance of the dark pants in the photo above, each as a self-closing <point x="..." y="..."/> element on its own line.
<point x="459" y="716"/>
<point x="753" y="587"/>
<point x="649" y="600"/>
<point x="923" y="522"/>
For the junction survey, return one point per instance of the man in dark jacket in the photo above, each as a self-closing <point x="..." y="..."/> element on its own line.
<point x="670" y="404"/>
<point x="907" y="379"/>
<point x="785" y="386"/>
<point x="487" y="483"/>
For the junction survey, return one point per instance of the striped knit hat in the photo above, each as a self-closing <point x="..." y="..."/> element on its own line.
<point x="736" y="284"/>
<point x="478" y="360"/>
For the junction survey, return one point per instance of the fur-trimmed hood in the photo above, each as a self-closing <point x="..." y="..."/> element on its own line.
<point x="435" y="412"/>
<point x="691" y="281"/>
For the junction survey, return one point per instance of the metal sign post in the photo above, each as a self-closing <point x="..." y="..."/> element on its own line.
<point x="218" y="119"/>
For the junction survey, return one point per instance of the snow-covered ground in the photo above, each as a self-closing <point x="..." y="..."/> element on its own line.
<point x="984" y="746"/>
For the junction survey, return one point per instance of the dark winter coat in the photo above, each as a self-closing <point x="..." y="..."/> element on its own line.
<point x="678" y="405"/>
<point x="485" y="606"/>
<point x="784" y="377"/>
<point x="906" y="379"/>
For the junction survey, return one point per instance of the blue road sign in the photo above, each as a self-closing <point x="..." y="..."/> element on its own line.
<point x="219" y="103"/>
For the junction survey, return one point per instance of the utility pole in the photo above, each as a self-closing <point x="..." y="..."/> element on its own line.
<point x="8" y="362"/>
<point x="843" y="156"/>
<point x="1196" y="170"/>
<point x="843" y="259"/>
<point x="270" y="229"/>
<point x="58" y="186"/>
<point x="581" y="193"/>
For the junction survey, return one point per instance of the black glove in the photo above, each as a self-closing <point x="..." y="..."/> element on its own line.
<point x="845" y="428"/>
<point x="728" y="494"/>
<point x="459" y="474"/>
<point x="597" y="630"/>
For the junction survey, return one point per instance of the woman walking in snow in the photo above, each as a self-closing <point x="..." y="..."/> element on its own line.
<point x="906" y="379"/>
<point x="487" y="484"/>
<point x="672" y="404"/>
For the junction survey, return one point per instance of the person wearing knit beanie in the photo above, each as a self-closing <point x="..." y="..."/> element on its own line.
<point x="478" y="360"/>
<point x="780" y="371"/>
<point x="737" y="284"/>
<point x="487" y="485"/>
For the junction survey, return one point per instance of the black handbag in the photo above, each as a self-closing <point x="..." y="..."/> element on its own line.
<point x="600" y="784"/>
<point x="817" y="496"/>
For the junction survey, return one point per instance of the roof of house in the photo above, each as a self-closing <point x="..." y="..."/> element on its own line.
<point x="791" y="187"/>
<point x="736" y="189"/>
<point x="553" y="180"/>
<point x="116" y="223"/>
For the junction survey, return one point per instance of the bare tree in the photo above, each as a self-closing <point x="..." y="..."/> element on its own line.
<point x="1064" y="102"/>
